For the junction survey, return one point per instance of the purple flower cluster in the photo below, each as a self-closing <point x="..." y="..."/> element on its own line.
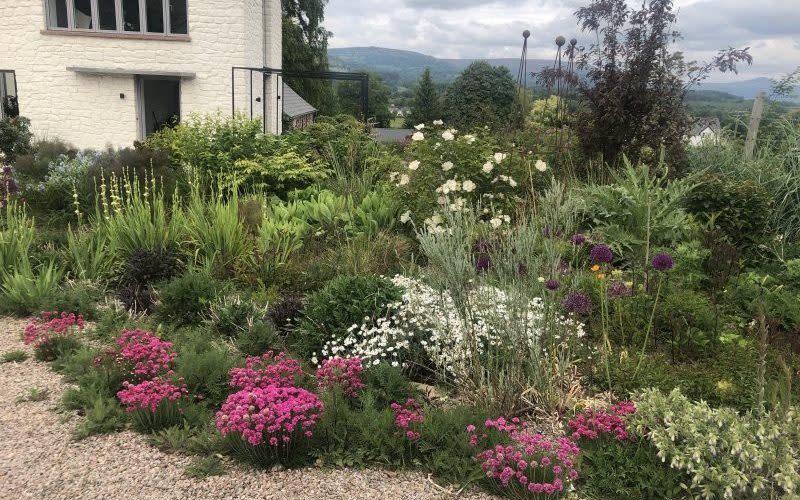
<point x="601" y="254"/>
<point x="578" y="239"/>
<point x="531" y="463"/>
<point x="662" y="262"/>
<point x="341" y="372"/>
<point x="578" y="303"/>
<point x="552" y="285"/>
<point x="618" y="289"/>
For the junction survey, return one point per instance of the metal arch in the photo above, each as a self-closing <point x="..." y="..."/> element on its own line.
<point x="363" y="78"/>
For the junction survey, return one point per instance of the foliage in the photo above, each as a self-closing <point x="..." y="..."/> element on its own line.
<point x="15" y="137"/>
<point x="740" y="209"/>
<point x="286" y="312"/>
<point x="232" y="316"/>
<point x="204" y="365"/>
<point x="258" y="339"/>
<point x="427" y="105"/>
<point x="203" y="467"/>
<point x="342" y="303"/>
<point x="628" y="470"/>
<point x="16" y="356"/>
<point x="640" y="210"/>
<point x="635" y="88"/>
<point x="26" y="291"/>
<point x="481" y="94"/>
<point x="188" y="298"/>
<point x="727" y="455"/>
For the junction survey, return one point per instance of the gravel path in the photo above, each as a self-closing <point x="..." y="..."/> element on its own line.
<point x="39" y="459"/>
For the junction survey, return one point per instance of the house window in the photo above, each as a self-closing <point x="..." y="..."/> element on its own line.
<point x="9" y="105"/>
<point x="165" y="17"/>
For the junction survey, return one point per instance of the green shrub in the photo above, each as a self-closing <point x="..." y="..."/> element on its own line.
<point x="168" y="414"/>
<point x="616" y="469"/>
<point x="203" y="467"/>
<point x="15" y="137"/>
<point x="444" y="443"/>
<point x="726" y="378"/>
<point x="342" y="303"/>
<point x="187" y="299"/>
<point x="33" y="167"/>
<point x="726" y="454"/>
<point x="232" y="316"/>
<point x="259" y="338"/>
<point x="102" y="415"/>
<point x="386" y="384"/>
<point x="286" y="312"/>
<point x="740" y="208"/>
<point x="80" y="298"/>
<point x="17" y="356"/>
<point x="204" y="366"/>
<point x="26" y="290"/>
<point x="56" y="347"/>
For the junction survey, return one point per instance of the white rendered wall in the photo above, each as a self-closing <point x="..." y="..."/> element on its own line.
<point x="88" y="110"/>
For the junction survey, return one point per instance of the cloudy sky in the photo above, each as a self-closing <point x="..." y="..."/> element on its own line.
<point x="492" y="28"/>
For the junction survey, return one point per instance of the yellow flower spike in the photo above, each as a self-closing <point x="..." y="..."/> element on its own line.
<point x="595" y="268"/>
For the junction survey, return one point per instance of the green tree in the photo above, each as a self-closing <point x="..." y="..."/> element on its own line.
<point x="379" y="93"/>
<point x="426" y="105"/>
<point x="305" y="47"/>
<point x="481" y="95"/>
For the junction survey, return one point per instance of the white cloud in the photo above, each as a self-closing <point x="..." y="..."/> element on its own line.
<point x="493" y="28"/>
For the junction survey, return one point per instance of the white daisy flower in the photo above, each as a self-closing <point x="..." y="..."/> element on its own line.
<point x="541" y="166"/>
<point x="418" y="136"/>
<point x="413" y="165"/>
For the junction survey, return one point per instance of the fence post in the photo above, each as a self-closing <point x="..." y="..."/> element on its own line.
<point x="755" y="122"/>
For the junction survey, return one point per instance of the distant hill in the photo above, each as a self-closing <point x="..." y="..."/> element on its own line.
<point x="399" y="67"/>
<point x="403" y="67"/>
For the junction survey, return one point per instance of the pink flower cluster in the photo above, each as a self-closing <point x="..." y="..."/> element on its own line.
<point x="531" y="464"/>
<point x="592" y="424"/>
<point x="408" y="417"/>
<point x="50" y="324"/>
<point x="150" y="393"/>
<point x="269" y="408"/>
<point x="341" y="372"/>
<point x="148" y="354"/>
<point x="271" y="414"/>
<point x="267" y="370"/>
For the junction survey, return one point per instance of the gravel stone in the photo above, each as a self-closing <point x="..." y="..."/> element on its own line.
<point x="39" y="458"/>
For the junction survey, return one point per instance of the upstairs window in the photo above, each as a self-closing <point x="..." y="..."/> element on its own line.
<point x="165" y="17"/>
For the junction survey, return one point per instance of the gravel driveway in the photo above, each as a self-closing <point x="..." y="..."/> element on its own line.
<point x="39" y="459"/>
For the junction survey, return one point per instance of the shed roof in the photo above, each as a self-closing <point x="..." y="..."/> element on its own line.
<point x="294" y="105"/>
<point x="704" y="122"/>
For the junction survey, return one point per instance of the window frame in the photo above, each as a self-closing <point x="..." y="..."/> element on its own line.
<point x="120" y="29"/>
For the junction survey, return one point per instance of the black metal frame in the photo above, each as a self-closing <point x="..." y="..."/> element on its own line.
<point x="282" y="73"/>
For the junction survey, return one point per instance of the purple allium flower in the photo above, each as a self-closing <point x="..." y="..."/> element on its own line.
<point x="601" y="254"/>
<point x="522" y="269"/>
<point x="578" y="239"/>
<point x="552" y="285"/>
<point x="578" y="303"/>
<point x="662" y="261"/>
<point x="483" y="263"/>
<point x="618" y="289"/>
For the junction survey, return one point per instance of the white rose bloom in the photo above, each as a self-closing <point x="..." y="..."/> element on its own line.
<point x="512" y="182"/>
<point x="541" y="166"/>
<point x="405" y="216"/>
<point x="452" y="185"/>
<point x="495" y="222"/>
<point x="540" y="279"/>
<point x="418" y="136"/>
<point x="469" y="138"/>
<point x="420" y="126"/>
<point x="393" y="176"/>
<point x="499" y="157"/>
<point x="447" y="165"/>
<point x="436" y="220"/>
<point x="469" y="186"/>
<point x="488" y="166"/>
<point x="404" y="179"/>
<point x="448" y="135"/>
<point x="413" y="165"/>
<point x="442" y="200"/>
<point x="438" y="122"/>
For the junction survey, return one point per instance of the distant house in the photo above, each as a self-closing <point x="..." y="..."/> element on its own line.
<point x="704" y="129"/>
<point x="296" y="110"/>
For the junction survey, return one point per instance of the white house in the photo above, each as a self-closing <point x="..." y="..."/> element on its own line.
<point x="704" y="130"/>
<point x="109" y="72"/>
